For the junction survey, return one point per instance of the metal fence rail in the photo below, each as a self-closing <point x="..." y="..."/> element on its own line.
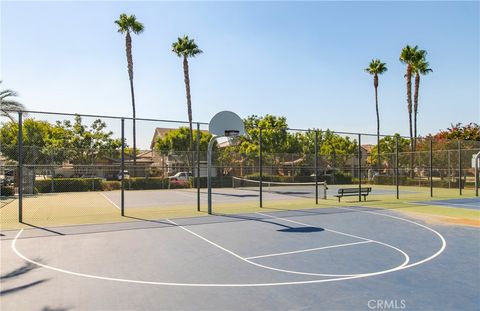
<point x="55" y="166"/>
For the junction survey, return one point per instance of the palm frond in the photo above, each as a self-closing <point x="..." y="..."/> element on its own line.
<point x="407" y="56"/>
<point x="185" y="47"/>
<point x="127" y="23"/>
<point x="376" y="67"/>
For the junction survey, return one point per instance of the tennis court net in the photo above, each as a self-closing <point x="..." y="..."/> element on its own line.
<point x="295" y="189"/>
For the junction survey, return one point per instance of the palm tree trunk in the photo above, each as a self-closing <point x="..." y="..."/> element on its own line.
<point x="408" y="76"/>
<point x="134" y="125"/>
<point x="415" y="109"/>
<point x="375" y="83"/>
<point x="128" y="47"/>
<point x="189" y="99"/>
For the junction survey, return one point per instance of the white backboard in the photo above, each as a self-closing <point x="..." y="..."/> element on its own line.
<point x="225" y="121"/>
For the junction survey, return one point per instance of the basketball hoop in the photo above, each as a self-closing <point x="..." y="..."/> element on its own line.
<point x="231" y="133"/>
<point x="223" y="124"/>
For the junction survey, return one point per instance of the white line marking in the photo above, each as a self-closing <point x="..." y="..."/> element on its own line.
<point x="257" y="264"/>
<point x="335" y="279"/>
<point x="442" y="248"/>
<point x="308" y="250"/>
<point x="407" y="258"/>
<point x="329" y="230"/>
<point x="108" y="199"/>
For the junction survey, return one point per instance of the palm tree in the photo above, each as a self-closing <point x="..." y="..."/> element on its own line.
<point x="126" y="25"/>
<point x="7" y="105"/>
<point x="419" y="67"/>
<point x="375" y="68"/>
<point x="407" y="56"/>
<point x="186" y="47"/>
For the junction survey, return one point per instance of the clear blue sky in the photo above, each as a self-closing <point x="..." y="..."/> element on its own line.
<point x="302" y="60"/>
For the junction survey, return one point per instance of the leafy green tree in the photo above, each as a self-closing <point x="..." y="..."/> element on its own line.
<point x="185" y="48"/>
<point x="179" y="140"/>
<point x="126" y="25"/>
<point x="388" y="149"/>
<point x="336" y="148"/>
<point x="35" y="139"/>
<point x="275" y="137"/>
<point x="87" y="144"/>
<point x="7" y="105"/>
<point x="469" y="131"/>
<point x="419" y="67"/>
<point x="375" y="68"/>
<point x="47" y="143"/>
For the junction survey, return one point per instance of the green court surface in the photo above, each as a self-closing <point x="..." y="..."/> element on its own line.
<point x="77" y="208"/>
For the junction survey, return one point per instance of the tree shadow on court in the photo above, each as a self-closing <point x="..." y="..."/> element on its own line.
<point x="48" y="308"/>
<point x="19" y="272"/>
<point x="285" y="228"/>
<point x="237" y="195"/>
<point x="21" y="287"/>
<point x="27" y="267"/>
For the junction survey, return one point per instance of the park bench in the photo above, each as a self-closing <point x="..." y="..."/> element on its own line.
<point x="347" y="192"/>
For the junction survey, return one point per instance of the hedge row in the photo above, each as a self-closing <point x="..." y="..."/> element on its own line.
<point x="339" y="178"/>
<point x="99" y="184"/>
<point x="68" y="185"/>
<point x="7" y="191"/>
<point x="406" y="181"/>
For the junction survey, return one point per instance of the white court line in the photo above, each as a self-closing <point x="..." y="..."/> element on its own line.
<point x="442" y="248"/>
<point x="334" y="279"/>
<point x="308" y="250"/>
<point x="264" y="266"/>
<point x="108" y="199"/>
<point x="329" y="230"/>
<point x="407" y="258"/>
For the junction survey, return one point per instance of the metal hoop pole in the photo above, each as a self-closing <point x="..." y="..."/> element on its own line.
<point x="20" y="167"/>
<point x="122" y="188"/>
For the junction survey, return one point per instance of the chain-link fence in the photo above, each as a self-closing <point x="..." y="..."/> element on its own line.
<point x="61" y="168"/>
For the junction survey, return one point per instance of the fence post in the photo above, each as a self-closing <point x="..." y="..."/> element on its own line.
<point x="396" y="168"/>
<point x="261" y="167"/>
<point x="316" y="166"/>
<point x="459" y="166"/>
<point x="122" y="167"/>
<point x="477" y="159"/>
<point x="448" y="169"/>
<point x="198" y="167"/>
<point x="20" y="167"/>
<point x="359" y="167"/>
<point x="431" y="168"/>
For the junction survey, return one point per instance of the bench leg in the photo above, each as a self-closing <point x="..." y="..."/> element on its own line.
<point x="338" y="199"/>
<point x="365" y="198"/>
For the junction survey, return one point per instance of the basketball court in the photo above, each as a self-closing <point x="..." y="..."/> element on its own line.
<point x="330" y="258"/>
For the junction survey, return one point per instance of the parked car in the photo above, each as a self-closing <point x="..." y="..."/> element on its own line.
<point x="8" y="177"/>
<point x="180" y="177"/>
<point x="125" y="175"/>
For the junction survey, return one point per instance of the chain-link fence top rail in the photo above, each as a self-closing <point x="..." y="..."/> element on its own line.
<point x="81" y="154"/>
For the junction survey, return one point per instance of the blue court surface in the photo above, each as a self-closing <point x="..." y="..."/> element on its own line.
<point x="344" y="258"/>
<point x="471" y="203"/>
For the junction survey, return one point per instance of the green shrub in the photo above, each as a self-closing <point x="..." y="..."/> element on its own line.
<point x="7" y="191"/>
<point x="217" y="182"/>
<point x="340" y="178"/>
<point x="111" y="185"/>
<point x="141" y="183"/>
<point x="416" y="182"/>
<point x="68" y="185"/>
